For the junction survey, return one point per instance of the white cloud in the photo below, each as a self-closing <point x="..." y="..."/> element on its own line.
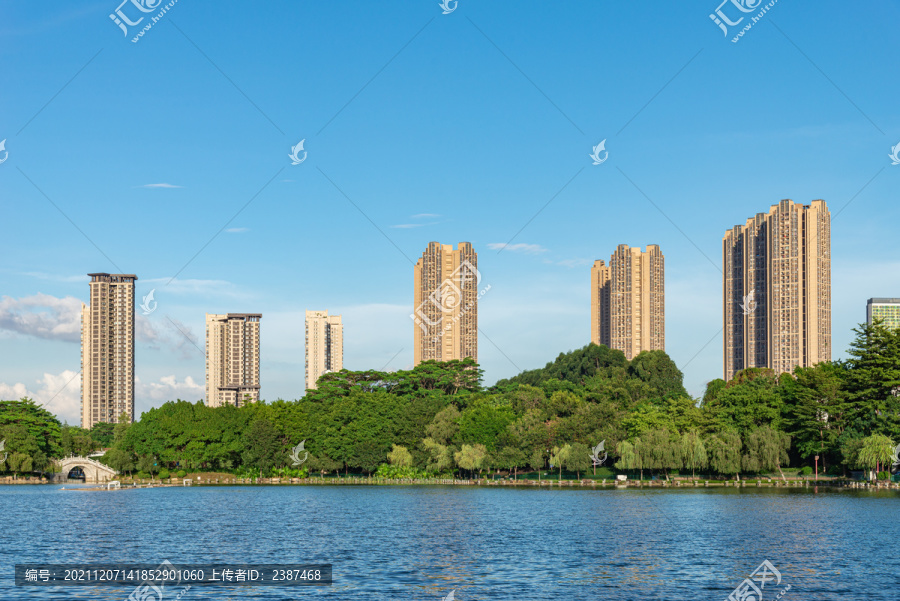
<point x="519" y="247"/>
<point x="42" y="316"/>
<point x="425" y="216"/>
<point x="59" y="394"/>
<point x="160" y="186"/>
<point x="168" y="388"/>
<point x="164" y="331"/>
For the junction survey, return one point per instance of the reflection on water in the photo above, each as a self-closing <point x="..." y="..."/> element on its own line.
<point x="420" y="542"/>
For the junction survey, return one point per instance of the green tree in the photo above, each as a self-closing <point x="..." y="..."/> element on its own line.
<point x="693" y="451"/>
<point x="262" y="446"/>
<point x="536" y="460"/>
<point x="19" y="463"/>
<point x="400" y="456"/>
<point x="724" y="451"/>
<point x="440" y="457"/>
<point x="484" y="420"/>
<point x="872" y="380"/>
<point x="21" y="447"/>
<point x="119" y="460"/>
<point x="103" y="434"/>
<point x="659" y="371"/>
<point x="579" y="458"/>
<point x="766" y="450"/>
<point x="749" y="401"/>
<point x="630" y="456"/>
<point x="41" y="426"/>
<point x="817" y="410"/>
<point x="558" y="456"/>
<point x="876" y="452"/>
<point x="471" y="457"/>
<point x="511" y="458"/>
<point x="444" y="426"/>
<point x="660" y="450"/>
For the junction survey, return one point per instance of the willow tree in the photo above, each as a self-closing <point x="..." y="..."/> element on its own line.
<point x="629" y="458"/>
<point x="767" y="450"/>
<point x="693" y="451"/>
<point x="400" y="456"/>
<point x="877" y="450"/>
<point x="724" y="450"/>
<point x="471" y="457"/>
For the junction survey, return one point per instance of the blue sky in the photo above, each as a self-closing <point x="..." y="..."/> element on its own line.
<point x="471" y="126"/>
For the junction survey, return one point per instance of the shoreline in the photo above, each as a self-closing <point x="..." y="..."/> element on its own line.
<point x="524" y="483"/>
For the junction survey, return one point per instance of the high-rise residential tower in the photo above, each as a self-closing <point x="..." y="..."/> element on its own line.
<point x="446" y="303"/>
<point x="107" y="349"/>
<point x="628" y="301"/>
<point x="885" y="309"/>
<point x="324" y="345"/>
<point x="232" y="359"/>
<point x="777" y="289"/>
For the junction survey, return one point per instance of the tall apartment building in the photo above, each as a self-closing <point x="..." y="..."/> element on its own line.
<point x="446" y="303"/>
<point x="628" y="300"/>
<point x="232" y="359"/>
<point x="324" y="345"/>
<point x="107" y="349"/>
<point x="885" y="309"/>
<point x="777" y="289"/>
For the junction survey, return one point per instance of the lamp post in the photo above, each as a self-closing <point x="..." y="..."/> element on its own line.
<point x="817" y="468"/>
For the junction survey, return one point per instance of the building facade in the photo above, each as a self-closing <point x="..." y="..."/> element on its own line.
<point x="885" y="309"/>
<point x="324" y="345"/>
<point x="446" y="303"/>
<point x="628" y="300"/>
<point x="107" y="349"/>
<point x="232" y="359"/>
<point x="777" y="289"/>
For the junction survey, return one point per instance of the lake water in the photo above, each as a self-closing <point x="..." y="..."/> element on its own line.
<point x="421" y="542"/>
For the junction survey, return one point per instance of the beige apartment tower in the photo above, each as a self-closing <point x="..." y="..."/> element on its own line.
<point x="324" y="345"/>
<point x="232" y="359"/>
<point x="628" y="301"/>
<point x="107" y="349"/>
<point x="446" y="303"/>
<point x="777" y="289"/>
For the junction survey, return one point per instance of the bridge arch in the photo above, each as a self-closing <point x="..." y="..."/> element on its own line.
<point x="94" y="471"/>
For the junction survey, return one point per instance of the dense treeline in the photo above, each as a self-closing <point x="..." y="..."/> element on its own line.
<point x="437" y="419"/>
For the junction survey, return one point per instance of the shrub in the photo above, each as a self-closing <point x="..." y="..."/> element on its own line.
<point x="605" y="472"/>
<point x="396" y="471"/>
<point x="142" y="475"/>
<point x="287" y="472"/>
<point x="181" y="473"/>
<point x="806" y="470"/>
<point x="163" y="474"/>
<point x="884" y="475"/>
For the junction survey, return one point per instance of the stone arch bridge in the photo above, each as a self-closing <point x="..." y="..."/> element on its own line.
<point x="94" y="471"/>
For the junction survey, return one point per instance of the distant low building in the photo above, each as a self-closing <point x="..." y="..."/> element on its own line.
<point x="885" y="309"/>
